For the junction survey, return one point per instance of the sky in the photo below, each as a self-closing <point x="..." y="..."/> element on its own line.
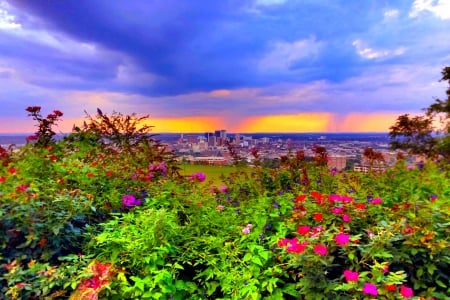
<point x="239" y="65"/>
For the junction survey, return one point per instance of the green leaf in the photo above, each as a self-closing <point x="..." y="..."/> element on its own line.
<point x="257" y="260"/>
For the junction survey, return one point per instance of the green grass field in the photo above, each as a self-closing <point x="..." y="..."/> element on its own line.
<point x="213" y="173"/>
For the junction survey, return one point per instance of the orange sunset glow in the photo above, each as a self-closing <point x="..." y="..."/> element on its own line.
<point x="305" y="122"/>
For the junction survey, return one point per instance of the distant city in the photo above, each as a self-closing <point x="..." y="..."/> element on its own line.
<point x="345" y="150"/>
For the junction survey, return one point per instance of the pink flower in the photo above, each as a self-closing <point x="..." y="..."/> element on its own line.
<point x="342" y="239"/>
<point x="303" y="230"/>
<point x="220" y="207"/>
<point x="321" y="249"/>
<point x="351" y="276"/>
<point x="294" y="246"/>
<point x="376" y="201"/>
<point x="370" y="289"/>
<point x="223" y="188"/>
<point x="346" y="218"/>
<point x="198" y="177"/>
<point x="282" y="242"/>
<point x="2" y="179"/>
<point x="406" y="292"/>
<point x="337" y="210"/>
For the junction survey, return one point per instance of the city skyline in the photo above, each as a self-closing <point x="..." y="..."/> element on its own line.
<point x="246" y="66"/>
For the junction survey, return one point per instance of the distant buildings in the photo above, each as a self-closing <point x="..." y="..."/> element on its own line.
<point x="337" y="163"/>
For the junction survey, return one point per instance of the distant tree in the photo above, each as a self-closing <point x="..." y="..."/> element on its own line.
<point x="417" y="135"/>
<point x="321" y="155"/>
<point x="373" y="157"/>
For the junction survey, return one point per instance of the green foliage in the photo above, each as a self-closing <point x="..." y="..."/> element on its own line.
<point x="297" y="231"/>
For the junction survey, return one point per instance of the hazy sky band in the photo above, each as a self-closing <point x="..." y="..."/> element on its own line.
<point x="242" y="65"/>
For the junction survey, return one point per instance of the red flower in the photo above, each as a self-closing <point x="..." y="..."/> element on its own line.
<point x="303" y="230"/>
<point x="318" y="217"/>
<point x="390" y="287"/>
<point x="361" y="206"/>
<point x="108" y="174"/>
<point x="90" y="175"/>
<point x="406" y="292"/>
<point x="12" y="170"/>
<point x="300" y="198"/>
<point x="2" y="179"/>
<point x="22" y="188"/>
<point x="321" y="249"/>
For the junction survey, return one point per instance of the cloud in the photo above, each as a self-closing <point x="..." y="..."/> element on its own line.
<point x="284" y="55"/>
<point x="370" y="53"/>
<point x="440" y="8"/>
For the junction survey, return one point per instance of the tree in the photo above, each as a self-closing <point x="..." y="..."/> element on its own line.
<point x="417" y="135"/>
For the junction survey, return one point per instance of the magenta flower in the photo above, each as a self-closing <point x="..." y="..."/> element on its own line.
<point x="198" y="176"/>
<point x="321" y="249"/>
<point x="406" y="292"/>
<point x="295" y="247"/>
<point x="337" y="210"/>
<point x="370" y="289"/>
<point x="342" y="239"/>
<point x="346" y="218"/>
<point x="376" y="201"/>
<point x="351" y="276"/>
<point x="223" y="189"/>
<point x="130" y="201"/>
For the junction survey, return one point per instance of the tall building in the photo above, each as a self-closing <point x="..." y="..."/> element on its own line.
<point x="337" y="162"/>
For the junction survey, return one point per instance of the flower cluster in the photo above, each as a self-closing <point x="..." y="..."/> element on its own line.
<point x="199" y="176"/>
<point x="130" y="201"/>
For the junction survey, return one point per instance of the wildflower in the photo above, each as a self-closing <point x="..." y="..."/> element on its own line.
<point x="282" y="242"/>
<point x="351" y="276"/>
<point x="12" y="170"/>
<point x="360" y="206"/>
<point x="261" y="236"/>
<point x="247" y="228"/>
<point x="90" y="175"/>
<point x="337" y="210"/>
<point x="238" y="211"/>
<point x="376" y="201"/>
<point x="406" y="292"/>
<point x="370" y="289"/>
<point x="220" y="207"/>
<point x="316" y="231"/>
<point x="433" y="198"/>
<point x="22" y="188"/>
<point x="390" y="287"/>
<point x="318" y="217"/>
<point x="276" y="204"/>
<point x="321" y="249"/>
<point x="223" y="189"/>
<point x="2" y="179"/>
<point x="346" y="218"/>
<point x="129" y="200"/>
<point x="303" y="230"/>
<point x="199" y="176"/>
<point x="295" y="247"/>
<point x="342" y="239"/>
<point x="300" y="198"/>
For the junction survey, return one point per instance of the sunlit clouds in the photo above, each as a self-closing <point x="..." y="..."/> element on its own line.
<point x="250" y="65"/>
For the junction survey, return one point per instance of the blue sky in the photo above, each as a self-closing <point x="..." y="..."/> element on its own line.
<point x="286" y="65"/>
